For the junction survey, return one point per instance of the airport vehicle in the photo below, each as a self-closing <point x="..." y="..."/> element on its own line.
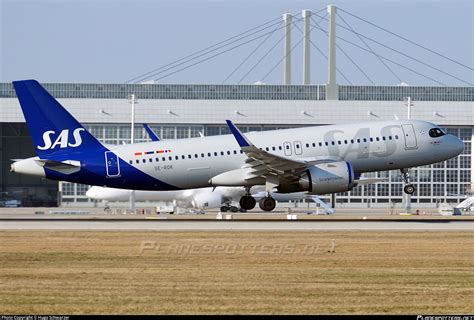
<point x="316" y="160"/>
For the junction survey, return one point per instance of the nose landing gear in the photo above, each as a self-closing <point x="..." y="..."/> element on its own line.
<point x="408" y="188"/>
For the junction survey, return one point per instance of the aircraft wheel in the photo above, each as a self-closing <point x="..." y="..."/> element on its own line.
<point x="247" y="202"/>
<point x="267" y="204"/>
<point x="234" y="209"/>
<point x="409" y="189"/>
<point x="224" y="208"/>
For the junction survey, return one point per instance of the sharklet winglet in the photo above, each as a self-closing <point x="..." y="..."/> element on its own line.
<point x="239" y="136"/>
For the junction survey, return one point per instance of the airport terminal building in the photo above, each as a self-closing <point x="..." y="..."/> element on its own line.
<point x="185" y="111"/>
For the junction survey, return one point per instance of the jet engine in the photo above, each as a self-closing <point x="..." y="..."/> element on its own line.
<point x="207" y="200"/>
<point x="324" y="178"/>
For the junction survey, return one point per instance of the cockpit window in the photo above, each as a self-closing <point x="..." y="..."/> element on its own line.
<point x="436" y="132"/>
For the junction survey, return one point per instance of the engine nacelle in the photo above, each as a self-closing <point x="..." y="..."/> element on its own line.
<point x="331" y="177"/>
<point x="207" y="200"/>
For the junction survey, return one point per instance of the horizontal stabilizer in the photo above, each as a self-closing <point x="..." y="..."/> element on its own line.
<point x="66" y="166"/>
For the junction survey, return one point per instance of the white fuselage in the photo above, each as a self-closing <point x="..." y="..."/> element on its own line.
<point x="370" y="146"/>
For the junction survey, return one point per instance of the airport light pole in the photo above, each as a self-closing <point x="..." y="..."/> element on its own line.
<point x="132" y="99"/>
<point x="409" y="105"/>
<point x="406" y="196"/>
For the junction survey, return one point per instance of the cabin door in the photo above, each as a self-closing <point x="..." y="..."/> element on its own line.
<point x="112" y="165"/>
<point x="409" y="135"/>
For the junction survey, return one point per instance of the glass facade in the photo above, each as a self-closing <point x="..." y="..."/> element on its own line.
<point x="439" y="182"/>
<point x="247" y="92"/>
<point x="397" y="93"/>
<point x="178" y="91"/>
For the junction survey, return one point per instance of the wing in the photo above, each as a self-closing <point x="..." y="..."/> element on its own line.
<point x="261" y="163"/>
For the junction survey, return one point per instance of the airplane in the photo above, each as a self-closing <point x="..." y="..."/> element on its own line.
<point x="200" y="198"/>
<point x="317" y="160"/>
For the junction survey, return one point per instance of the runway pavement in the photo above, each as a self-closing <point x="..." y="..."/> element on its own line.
<point x="298" y="225"/>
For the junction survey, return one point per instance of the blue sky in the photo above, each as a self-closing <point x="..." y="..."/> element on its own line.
<point x="116" y="40"/>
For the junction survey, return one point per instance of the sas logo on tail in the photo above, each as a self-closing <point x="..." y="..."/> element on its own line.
<point x="62" y="140"/>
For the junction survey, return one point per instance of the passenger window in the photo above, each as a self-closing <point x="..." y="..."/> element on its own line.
<point x="383" y="138"/>
<point x="202" y="155"/>
<point x="365" y="139"/>
<point x="215" y="154"/>
<point x="273" y="148"/>
<point x="307" y="145"/>
<point x="377" y="138"/>
<point x="345" y="141"/>
<point x="389" y="137"/>
<point x="228" y="152"/>
<point x="339" y="142"/>
<point x="327" y="143"/>
<point x="170" y="158"/>
<point x="371" y="139"/>
<point x="209" y="154"/>
<point x="241" y="151"/>
<point x="222" y="153"/>
<point x="137" y="161"/>
<point x="358" y="140"/>
<point x="157" y="159"/>
<point x="189" y="156"/>
<point x="164" y="159"/>
<point x="279" y="148"/>
<point x="235" y="151"/>
<point x="352" y="140"/>
<point x="333" y="143"/>
<point x="267" y="149"/>
<point x="314" y="144"/>
<point x="130" y="162"/>
<point x="183" y="157"/>
<point x="195" y="155"/>
<point x="150" y="160"/>
<point x="320" y="144"/>
<point x="396" y="137"/>
<point x="176" y="157"/>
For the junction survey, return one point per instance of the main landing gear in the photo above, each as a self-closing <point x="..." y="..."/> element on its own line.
<point x="267" y="203"/>
<point x="247" y="202"/>
<point x="409" y="188"/>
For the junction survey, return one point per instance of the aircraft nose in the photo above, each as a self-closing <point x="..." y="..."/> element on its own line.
<point x="457" y="145"/>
